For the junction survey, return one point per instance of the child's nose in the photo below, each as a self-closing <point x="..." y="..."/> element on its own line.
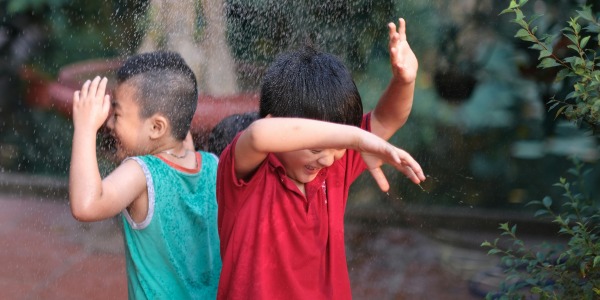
<point x="327" y="160"/>
<point x="110" y="123"/>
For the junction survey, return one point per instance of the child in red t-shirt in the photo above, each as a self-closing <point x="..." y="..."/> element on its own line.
<point x="282" y="184"/>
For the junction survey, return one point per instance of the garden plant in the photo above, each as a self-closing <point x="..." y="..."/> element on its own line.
<point x="569" y="270"/>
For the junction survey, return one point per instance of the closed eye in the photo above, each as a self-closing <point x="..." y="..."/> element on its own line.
<point x="315" y="151"/>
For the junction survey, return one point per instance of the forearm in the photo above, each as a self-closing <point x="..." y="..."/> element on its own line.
<point x="393" y="109"/>
<point x="290" y="134"/>
<point x="85" y="182"/>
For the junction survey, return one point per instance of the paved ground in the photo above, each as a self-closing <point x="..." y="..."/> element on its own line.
<point x="46" y="254"/>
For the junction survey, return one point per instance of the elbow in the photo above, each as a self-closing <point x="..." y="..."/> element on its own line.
<point x="82" y="213"/>
<point x="254" y="136"/>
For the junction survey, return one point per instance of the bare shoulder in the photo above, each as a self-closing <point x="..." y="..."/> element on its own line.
<point x="126" y="182"/>
<point x="246" y="156"/>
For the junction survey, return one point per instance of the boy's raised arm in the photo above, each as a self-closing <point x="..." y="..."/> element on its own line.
<point x="395" y="103"/>
<point x="91" y="199"/>
<point x="271" y="135"/>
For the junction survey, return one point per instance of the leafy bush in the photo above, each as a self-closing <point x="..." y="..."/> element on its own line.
<point x="555" y="271"/>
<point x="569" y="270"/>
<point x="578" y="68"/>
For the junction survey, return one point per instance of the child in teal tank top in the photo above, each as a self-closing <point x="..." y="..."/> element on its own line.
<point x="164" y="190"/>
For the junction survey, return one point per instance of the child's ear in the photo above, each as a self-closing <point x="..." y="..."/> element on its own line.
<point x="159" y="126"/>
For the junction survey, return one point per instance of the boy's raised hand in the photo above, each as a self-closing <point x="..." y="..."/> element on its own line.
<point x="403" y="60"/>
<point x="91" y="104"/>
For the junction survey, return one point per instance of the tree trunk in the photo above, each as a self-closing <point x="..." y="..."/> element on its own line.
<point x="220" y="76"/>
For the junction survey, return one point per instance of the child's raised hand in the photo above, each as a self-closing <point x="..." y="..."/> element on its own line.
<point x="403" y="60"/>
<point x="91" y="104"/>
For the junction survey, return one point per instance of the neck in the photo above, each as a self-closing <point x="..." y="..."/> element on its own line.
<point x="176" y="148"/>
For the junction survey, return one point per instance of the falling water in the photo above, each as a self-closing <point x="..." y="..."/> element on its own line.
<point x="488" y="147"/>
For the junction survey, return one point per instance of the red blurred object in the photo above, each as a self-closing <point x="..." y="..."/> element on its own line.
<point x="42" y="92"/>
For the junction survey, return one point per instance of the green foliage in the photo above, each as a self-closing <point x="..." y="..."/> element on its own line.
<point x="569" y="270"/>
<point x="577" y="68"/>
<point x="554" y="271"/>
<point x="19" y="6"/>
<point x="76" y="30"/>
<point x="259" y="30"/>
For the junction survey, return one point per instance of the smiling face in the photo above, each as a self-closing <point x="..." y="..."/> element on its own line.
<point x="302" y="166"/>
<point x="131" y="132"/>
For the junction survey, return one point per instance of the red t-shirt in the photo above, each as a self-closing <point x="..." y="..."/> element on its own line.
<point x="275" y="242"/>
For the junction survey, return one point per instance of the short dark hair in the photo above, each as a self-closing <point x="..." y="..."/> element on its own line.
<point x="224" y="132"/>
<point x="165" y="84"/>
<point x="307" y="83"/>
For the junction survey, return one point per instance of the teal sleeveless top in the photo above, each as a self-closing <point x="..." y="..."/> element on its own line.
<point x="174" y="252"/>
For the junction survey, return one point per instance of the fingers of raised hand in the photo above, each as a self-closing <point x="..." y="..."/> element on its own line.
<point x="94" y="89"/>
<point x="397" y="34"/>
<point x="101" y="92"/>
<point x="97" y="87"/>
<point x="106" y="104"/>
<point x="402" y="29"/>
<point x="392" y="29"/>
<point x="84" y="89"/>
<point x="76" y="95"/>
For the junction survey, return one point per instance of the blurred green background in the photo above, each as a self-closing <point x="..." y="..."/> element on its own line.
<point x="480" y="126"/>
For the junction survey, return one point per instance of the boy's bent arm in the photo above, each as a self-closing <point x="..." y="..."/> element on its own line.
<point x="92" y="199"/>
<point x="395" y="104"/>
<point x="272" y="135"/>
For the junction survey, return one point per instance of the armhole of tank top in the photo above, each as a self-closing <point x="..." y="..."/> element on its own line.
<point x="215" y="156"/>
<point x="151" y="198"/>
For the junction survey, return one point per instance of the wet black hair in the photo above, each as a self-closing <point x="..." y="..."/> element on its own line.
<point x="224" y="132"/>
<point x="165" y="84"/>
<point x="307" y="83"/>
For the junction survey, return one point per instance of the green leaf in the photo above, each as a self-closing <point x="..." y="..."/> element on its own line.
<point x="593" y="28"/>
<point x="573" y="47"/>
<point x="559" y="111"/>
<point x="596" y="261"/>
<point x="540" y="212"/>
<point x="525" y="35"/>
<point x="586" y="13"/>
<point x="547" y="201"/>
<point x="544" y="53"/>
<point x="562" y="74"/>
<point x="548" y="63"/>
<point x="536" y="290"/>
<point x="493" y="251"/>
<point x="519" y="19"/>
<point x="554" y="105"/>
<point x="572" y="38"/>
<point x="538" y="47"/>
<point x="522" y="33"/>
<point x="584" y="41"/>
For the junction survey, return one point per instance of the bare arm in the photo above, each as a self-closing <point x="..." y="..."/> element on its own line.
<point x="395" y="104"/>
<point x="289" y="134"/>
<point x="91" y="198"/>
